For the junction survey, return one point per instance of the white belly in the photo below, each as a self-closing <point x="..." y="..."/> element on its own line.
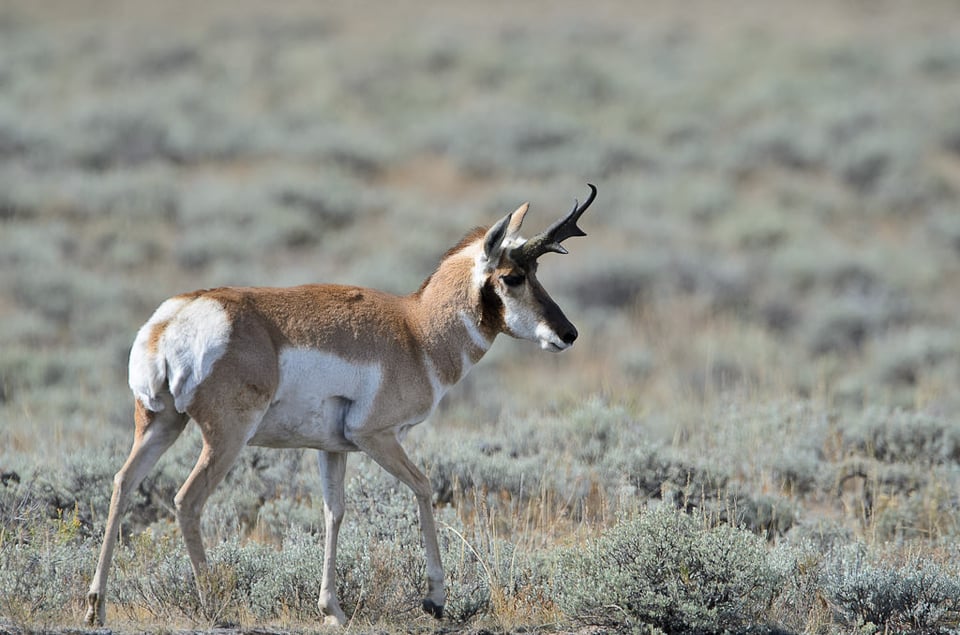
<point x="317" y="394"/>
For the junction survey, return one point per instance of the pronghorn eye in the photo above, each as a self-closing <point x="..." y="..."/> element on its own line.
<point x="513" y="279"/>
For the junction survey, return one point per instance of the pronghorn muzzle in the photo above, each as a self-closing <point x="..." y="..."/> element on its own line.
<point x="555" y="332"/>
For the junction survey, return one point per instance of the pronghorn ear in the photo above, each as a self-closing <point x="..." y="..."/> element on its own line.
<point x="506" y="227"/>
<point x="493" y="241"/>
<point x="516" y="219"/>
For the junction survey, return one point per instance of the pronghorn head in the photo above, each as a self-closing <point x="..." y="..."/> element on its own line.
<point x="508" y="277"/>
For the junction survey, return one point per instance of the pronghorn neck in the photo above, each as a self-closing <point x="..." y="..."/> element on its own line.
<point x="457" y="316"/>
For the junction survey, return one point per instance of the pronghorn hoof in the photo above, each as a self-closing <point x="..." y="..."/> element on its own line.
<point x="333" y="620"/>
<point x="434" y="609"/>
<point x="94" y="615"/>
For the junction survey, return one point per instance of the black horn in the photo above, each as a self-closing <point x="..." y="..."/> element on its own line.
<point x="550" y="240"/>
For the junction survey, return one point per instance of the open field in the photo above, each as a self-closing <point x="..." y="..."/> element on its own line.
<point x="757" y="431"/>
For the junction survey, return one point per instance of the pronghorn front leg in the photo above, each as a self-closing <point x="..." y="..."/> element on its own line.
<point x="333" y="467"/>
<point x="384" y="448"/>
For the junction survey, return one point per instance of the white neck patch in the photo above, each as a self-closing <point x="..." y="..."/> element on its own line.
<point x="473" y="330"/>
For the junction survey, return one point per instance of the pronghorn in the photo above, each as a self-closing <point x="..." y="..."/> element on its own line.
<point x="337" y="368"/>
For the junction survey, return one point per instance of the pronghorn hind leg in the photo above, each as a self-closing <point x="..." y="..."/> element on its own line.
<point x="385" y="449"/>
<point x="155" y="433"/>
<point x="212" y="466"/>
<point x="332" y="470"/>
<point x="228" y="406"/>
<point x="216" y="459"/>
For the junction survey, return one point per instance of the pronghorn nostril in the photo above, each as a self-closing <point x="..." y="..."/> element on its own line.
<point x="569" y="337"/>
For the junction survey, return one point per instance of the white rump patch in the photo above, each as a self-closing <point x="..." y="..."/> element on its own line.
<point x="195" y="337"/>
<point x="147" y="371"/>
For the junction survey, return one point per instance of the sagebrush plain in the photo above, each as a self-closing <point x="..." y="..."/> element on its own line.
<point x="757" y="431"/>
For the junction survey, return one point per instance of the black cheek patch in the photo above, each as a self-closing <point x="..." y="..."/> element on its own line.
<point x="491" y="310"/>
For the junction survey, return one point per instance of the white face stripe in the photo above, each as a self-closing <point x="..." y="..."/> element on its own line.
<point x="522" y="321"/>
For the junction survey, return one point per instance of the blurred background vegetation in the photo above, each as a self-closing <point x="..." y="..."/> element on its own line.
<point x="767" y="300"/>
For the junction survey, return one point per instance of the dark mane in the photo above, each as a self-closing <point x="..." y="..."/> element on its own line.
<point x="475" y="234"/>
<point x="471" y="236"/>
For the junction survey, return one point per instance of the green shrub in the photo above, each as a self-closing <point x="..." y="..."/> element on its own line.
<point x="773" y="139"/>
<point x="43" y="564"/>
<point x="491" y="137"/>
<point x="667" y="569"/>
<point x="904" y="358"/>
<point x="79" y="487"/>
<point x="602" y="284"/>
<point x="557" y="453"/>
<point x="918" y="594"/>
<point x="152" y="574"/>
<point x="658" y="472"/>
<point x="276" y="582"/>
<point x="842" y="327"/>
<point x="904" y="436"/>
